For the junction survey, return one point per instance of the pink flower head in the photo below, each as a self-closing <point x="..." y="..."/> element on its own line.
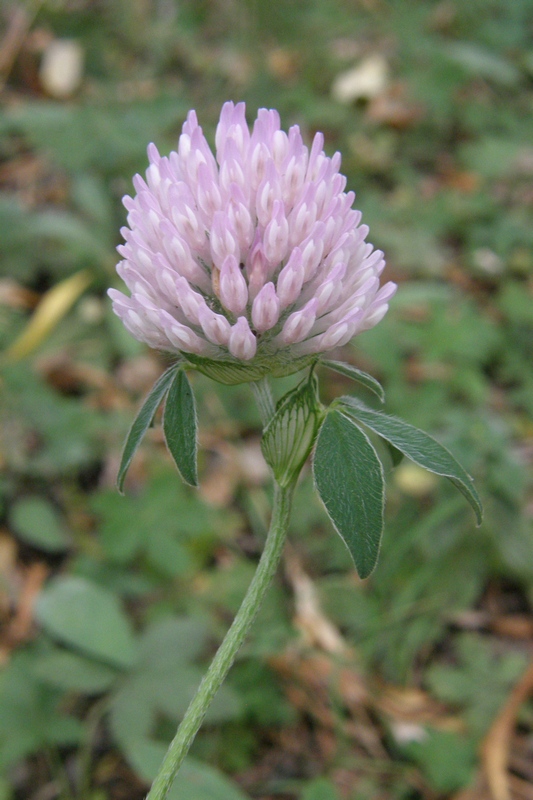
<point x="253" y="257"/>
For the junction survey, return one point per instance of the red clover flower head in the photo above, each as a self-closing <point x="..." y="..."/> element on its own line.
<point x="254" y="258"/>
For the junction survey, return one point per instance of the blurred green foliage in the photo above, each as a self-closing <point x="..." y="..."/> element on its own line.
<point x="142" y="588"/>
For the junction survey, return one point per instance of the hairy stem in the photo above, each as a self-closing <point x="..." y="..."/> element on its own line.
<point x="227" y="651"/>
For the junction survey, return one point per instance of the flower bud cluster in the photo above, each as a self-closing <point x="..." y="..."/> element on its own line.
<point x="255" y="254"/>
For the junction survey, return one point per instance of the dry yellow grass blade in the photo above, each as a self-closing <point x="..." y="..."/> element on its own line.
<point x="52" y="308"/>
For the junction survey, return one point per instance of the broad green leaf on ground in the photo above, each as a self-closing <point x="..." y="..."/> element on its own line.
<point x="357" y="375"/>
<point x="446" y="758"/>
<point x="320" y="789"/>
<point x="131" y="713"/>
<point x="164" y="680"/>
<point x="483" y="63"/>
<point x="180" y="425"/>
<point x="143" y="420"/>
<point x="67" y="430"/>
<point x="198" y="781"/>
<point x="37" y="522"/>
<point x="5" y="790"/>
<point x="172" y="691"/>
<point x="87" y="617"/>
<point x="165" y="521"/>
<point x="95" y="136"/>
<point x="349" y="478"/>
<point x="418" y="446"/>
<point x="73" y="672"/>
<point x="479" y="681"/>
<point x="195" y="780"/>
<point x="172" y="641"/>
<point x="30" y="712"/>
<point x="145" y="755"/>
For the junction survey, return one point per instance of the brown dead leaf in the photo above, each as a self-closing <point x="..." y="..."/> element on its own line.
<point x="316" y="672"/>
<point x="16" y="31"/>
<point x="20" y="628"/>
<point x="462" y="181"/>
<point x="516" y="626"/>
<point x="230" y="466"/>
<point x="520" y="789"/>
<point x="418" y="371"/>
<point x="33" y="181"/>
<point x="521" y="756"/>
<point x="137" y="375"/>
<point x="13" y="295"/>
<point x="478" y="791"/>
<point x="316" y="684"/>
<point x="309" y="618"/>
<point x="496" y="747"/>
<point x="394" y="108"/>
<point x="67" y="375"/>
<point x="283" y="64"/>
<point x="221" y="477"/>
<point x="8" y="573"/>
<point x="415" y="706"/>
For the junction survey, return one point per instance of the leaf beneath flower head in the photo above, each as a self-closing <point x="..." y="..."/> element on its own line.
<point x="180" y="427"/>
<point x="234" y="372"/>
<point x="417" y="445"/>
<point x="357" y="375"/>
<point x="349" y="478"/>
<point x="228" y="372"/>
<point x="143" y="420"/>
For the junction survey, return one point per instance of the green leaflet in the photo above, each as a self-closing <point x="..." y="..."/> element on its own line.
<point x="420" y="447"/>
<point x="349" y="478"/>
<point x="143" y="420"/>
<point x="180" y="427"/>
<point x="73" y="672"/>
<point x="358" y="375"/>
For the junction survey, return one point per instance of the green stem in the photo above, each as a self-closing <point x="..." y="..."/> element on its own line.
<point x="263" y="397"/>
<point x="227" y="651"/>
